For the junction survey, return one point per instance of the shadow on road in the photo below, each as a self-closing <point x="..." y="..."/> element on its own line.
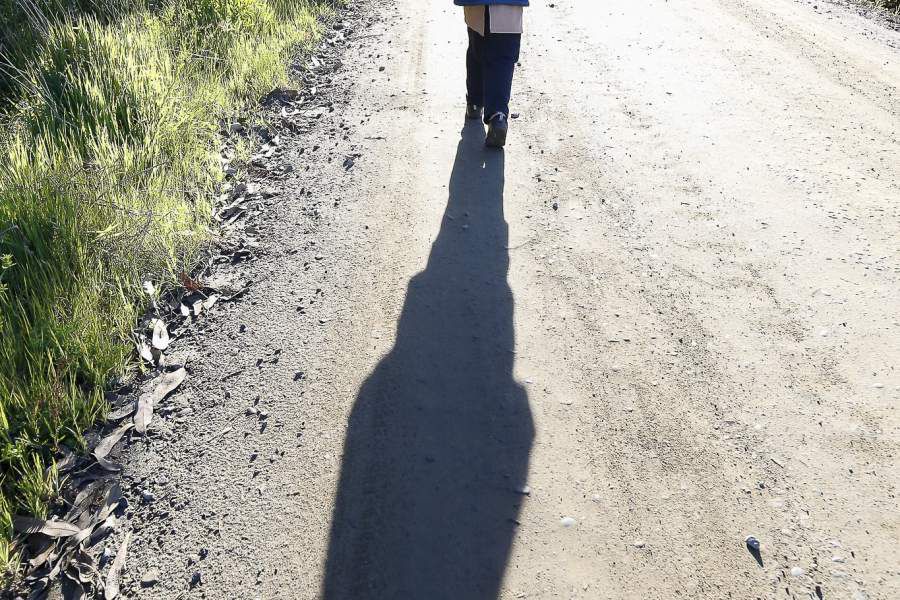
<point x="439" y="438"/>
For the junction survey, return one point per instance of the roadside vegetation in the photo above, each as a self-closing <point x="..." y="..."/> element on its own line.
<point x="109" y="124"/>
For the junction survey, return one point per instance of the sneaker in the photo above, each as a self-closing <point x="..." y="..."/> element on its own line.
<point x="497" y="128"/>
<point x="473" y="111"/>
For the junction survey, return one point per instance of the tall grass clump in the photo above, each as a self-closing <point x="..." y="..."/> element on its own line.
<point x="107" y="162"/>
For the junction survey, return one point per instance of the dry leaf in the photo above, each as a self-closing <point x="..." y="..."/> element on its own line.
<point x="111" y="589"/>
<point x="54" y="529"/>
<point x="160" y="334"/>
<point x="190" y="284"/>
<point x="109" y="465"/>
<point x="167" y="384"/>
<point x="43" y="557"/>
<point x="145" y="351"/>
<point x="126" y="410"/>
<point x="110" y="502"/>
<point x="103" y="530"/>
<point x="108" y="443"/>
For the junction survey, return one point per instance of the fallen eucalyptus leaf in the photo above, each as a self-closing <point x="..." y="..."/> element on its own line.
<point x="54" y="529"/>
<point x="167" y="384"/>
<point x="110" y="502"/>
<point x="145" y="351"/>
<point x="46" y="556"/>
<point x="160" y="335"/>
<point x="109" y="465"/>
<point x="113" y="578"/>
<point x="72" y="589"/>
<point x="86" y="565"/>
<point x="103" y="530"/>
<point x="86" y="496"/>
<point x="126" y="410"/>
<point x="108" y="443"/>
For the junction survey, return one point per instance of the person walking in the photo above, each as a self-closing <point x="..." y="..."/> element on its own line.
<point x="495" y="35"/>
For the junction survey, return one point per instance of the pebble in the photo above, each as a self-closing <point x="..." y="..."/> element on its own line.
<point x="797" y="572"/>
<point x="838" y="559"/>
<point x="640" y="543"/>
<point x="753" y="543"/>
<point x="150" y="578"/>
<point x="568" y="522"/>
<point x="147" y="496"/>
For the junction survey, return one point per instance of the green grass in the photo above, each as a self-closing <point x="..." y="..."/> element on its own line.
<point x="107" y="165"/>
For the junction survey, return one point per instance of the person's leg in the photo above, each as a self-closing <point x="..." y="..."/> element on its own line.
<point x="475" y="69"/>
<point x="501" y="52"/>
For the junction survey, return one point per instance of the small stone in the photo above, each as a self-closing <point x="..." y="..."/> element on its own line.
<point x="838" y="559"/>
<point x="196" y="579"/>
<point x="147" y="496"/>
<point x="752" y="543"/>
<point x="640" y="544"/>
<point x="150" y="578"/>
<point x="568" y="522"/>
<point x="797" y="572"/>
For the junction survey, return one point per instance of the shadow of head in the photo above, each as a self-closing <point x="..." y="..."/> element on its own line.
<point x="439" y="437"/>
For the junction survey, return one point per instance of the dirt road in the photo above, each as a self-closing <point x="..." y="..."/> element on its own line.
<point x="665" y="319"/>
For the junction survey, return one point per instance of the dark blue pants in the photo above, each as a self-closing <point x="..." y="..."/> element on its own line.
<point x="490" y="63"/>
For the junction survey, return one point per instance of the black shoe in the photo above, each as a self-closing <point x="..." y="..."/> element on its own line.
<point x="497" y="128"/>
<point x="473" y="111"/>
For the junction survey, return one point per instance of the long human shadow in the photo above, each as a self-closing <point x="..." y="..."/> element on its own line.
<point x="438" y="441"/>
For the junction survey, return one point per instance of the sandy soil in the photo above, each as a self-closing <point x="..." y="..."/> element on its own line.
<point x="665" y="319"/>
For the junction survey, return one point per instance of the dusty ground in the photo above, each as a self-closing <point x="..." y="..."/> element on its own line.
<point x="666" y="318"/>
